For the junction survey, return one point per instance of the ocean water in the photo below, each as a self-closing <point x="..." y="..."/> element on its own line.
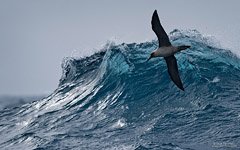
<point x="115" y="100"/>
<point x="7" y="101"/>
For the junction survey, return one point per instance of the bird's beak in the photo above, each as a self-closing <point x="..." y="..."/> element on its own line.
<point x="149" y="58"/>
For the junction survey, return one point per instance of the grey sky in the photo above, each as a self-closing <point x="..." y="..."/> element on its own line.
<point x="36" y="35"/>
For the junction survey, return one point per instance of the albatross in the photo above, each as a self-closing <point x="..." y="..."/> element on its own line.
<point x="166" y="50"/>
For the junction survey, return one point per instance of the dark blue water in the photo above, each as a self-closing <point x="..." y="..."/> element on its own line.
<point x="115" y="100"/>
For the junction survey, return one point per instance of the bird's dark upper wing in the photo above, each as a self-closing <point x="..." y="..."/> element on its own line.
<point x="173" y="71"/>
<point x="159" y="31"/>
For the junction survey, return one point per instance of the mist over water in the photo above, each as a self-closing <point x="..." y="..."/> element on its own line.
<point x="113" y="99"/>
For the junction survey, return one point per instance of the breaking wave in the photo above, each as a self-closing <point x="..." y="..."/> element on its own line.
<point x="114" y="99"/>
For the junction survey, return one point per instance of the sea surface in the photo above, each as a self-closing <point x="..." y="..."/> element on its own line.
<point x="115" y="100"/>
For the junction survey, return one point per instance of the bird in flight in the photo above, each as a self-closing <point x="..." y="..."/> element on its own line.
<point x="166" y="50"/>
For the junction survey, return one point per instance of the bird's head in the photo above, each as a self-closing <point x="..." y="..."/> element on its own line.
<point x="183" y="47"/>
<point x="151" y="56"/>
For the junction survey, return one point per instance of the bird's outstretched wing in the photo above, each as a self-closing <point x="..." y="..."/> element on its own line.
<point x="159" y="31"/>
<point x="173" y="71"/>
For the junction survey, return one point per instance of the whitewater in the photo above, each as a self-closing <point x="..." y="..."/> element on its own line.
<point x="115" y="100"/>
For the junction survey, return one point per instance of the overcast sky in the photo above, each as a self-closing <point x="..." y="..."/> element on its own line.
<point x="36" y="35"/>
